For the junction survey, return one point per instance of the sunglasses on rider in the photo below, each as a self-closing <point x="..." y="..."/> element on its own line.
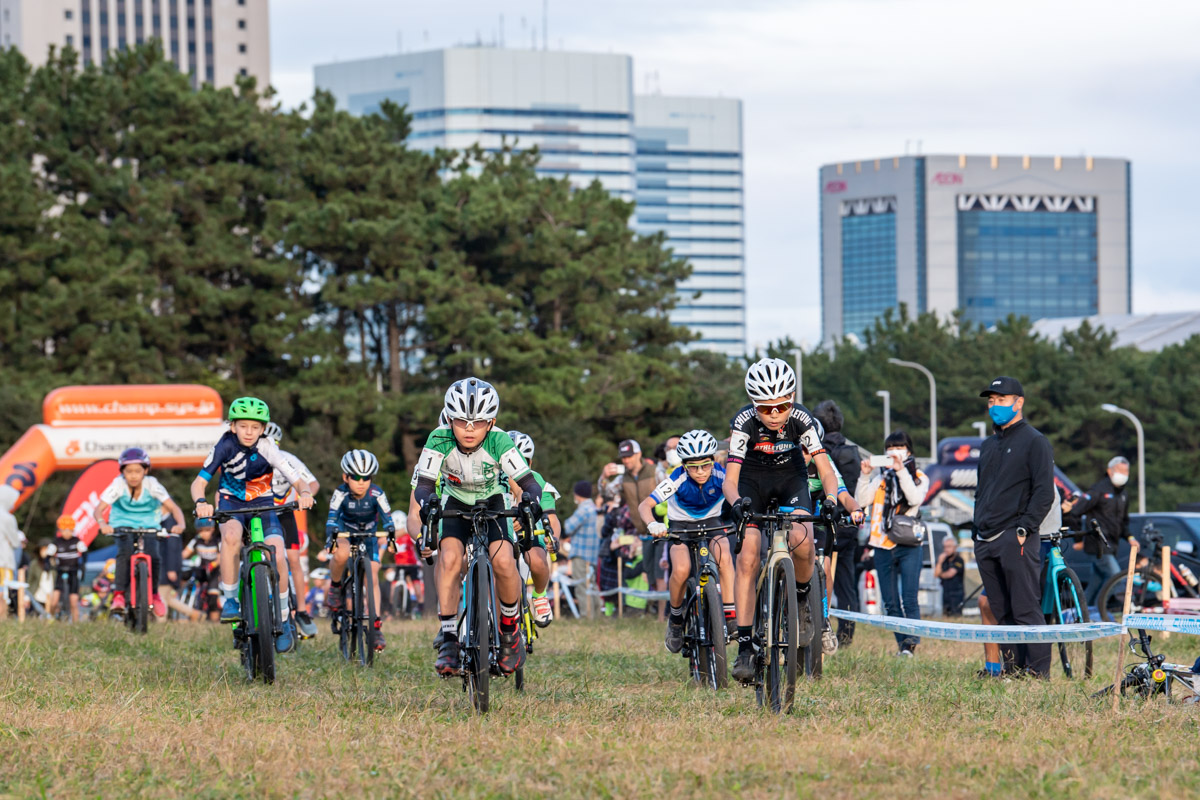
<point x="466" y="424"/>
<point x="359" y="477"/>
<point x="781" y="408"/>
<point x="697" y="466"/>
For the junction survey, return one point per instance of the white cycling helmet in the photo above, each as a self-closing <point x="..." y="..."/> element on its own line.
<point x="472" y="399"/>
<point x="696" y="444"/>
<point x="273" y="432"/>
<point x="524" y="443"/>
<point x="769" y="378"/>
<point x="360" y="462"/>
<point x="318" y="574"/>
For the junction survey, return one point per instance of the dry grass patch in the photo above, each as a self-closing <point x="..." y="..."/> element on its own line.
<point x="90" y="710"/>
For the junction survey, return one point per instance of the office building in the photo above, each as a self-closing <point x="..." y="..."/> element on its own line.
<point x="683" y="159"/>
<point x="990" y="235"/>
<point x="214" y="41"/>
<point x="689" y="185"/>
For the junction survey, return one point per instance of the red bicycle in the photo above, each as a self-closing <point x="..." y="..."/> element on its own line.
<point x="140" y="577"/>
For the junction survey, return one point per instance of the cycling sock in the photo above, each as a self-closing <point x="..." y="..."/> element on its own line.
<point x="449" y="627"/>
<point x="743" y="638"/>
<point x="229" y="591"/>
<point x="676" y="614"/>
<point x="378" y="624"/>
<point x="539" y="594"/>
<point x="283" y="605"/>
<point x="993" y="668"/>
<point x="508" y="618"/>
<point x="730" y="610"/>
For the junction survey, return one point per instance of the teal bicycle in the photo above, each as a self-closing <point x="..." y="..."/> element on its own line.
<point x="254" y="634"/>
<point x="1064" y="603"/>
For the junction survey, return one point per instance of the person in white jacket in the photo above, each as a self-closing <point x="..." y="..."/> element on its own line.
<point x="10" y="540"/>
<point x="898" y="489"/>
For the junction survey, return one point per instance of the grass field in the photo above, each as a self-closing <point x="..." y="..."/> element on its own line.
<point x="89" y="711"/>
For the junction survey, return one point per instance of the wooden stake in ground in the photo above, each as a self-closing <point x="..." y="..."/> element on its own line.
<point x="1121" y="643"/>
<point x="620" y="586"/>
<point x="829" y="578"/>
<point x="1167" y="584"/>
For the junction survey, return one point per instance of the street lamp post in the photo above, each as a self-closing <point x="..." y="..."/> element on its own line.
<point x="932" y="401"/>
<point x="799" y="354"/>
<point x="1110" y="408"/>
<point x="887" y="412"/>
<point x="981" y="427"/>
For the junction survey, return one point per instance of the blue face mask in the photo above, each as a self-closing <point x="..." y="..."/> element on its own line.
<point x="1002" y="415"/>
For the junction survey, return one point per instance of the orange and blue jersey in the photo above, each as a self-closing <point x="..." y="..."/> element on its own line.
<point x="246" y="472"/>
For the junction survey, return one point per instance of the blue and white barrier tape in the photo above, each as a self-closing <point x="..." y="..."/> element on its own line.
<point x="964" y="632"/>
<point x="1170" y="623"/>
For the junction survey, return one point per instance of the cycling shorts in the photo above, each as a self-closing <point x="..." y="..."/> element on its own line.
<point x="270" y="520"/>
<point x="784" y="485"/>
<point x="460" y="528"/>
<point x="71" y="577"/>
<point x="291" y="531"/>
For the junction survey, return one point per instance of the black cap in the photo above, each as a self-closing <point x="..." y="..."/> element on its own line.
<point x="583" y="489"/>
<point x="628" y="448"/>
<point x="1004" y="385"/>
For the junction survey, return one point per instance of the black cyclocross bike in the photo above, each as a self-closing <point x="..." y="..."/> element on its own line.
<point x="779" y="651"/>
<point x="479" y="618"/>
<point x="704" y="631"/>
<point x="258" y="586"/>
<point x="358" y="620"/>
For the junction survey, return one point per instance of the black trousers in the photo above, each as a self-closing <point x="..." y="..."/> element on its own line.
<point x="1012" y="574"/>
<point x="845" y="576"/>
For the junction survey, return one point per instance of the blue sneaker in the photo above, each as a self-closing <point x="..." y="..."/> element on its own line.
<point x="231" y="611"/>
<point x="284" y="642"/>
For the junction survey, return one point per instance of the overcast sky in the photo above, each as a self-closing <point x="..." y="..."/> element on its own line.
<point x="843" y="80"/>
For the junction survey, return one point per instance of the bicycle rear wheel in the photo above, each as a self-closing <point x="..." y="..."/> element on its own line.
<point x="1111" y="600"/>
<point x="783" y="654"/>
<point x="712" y="659"/>
<point x="1076" y="657"/>
<point x="263" y="616"/>
<point x="812" y="653"/>
<point x="141" y="613"/>
<point x="477" y="661"/>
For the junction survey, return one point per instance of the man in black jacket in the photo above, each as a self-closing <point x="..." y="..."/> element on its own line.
<point x="1015" y="490"/>
<point x="847" y="461"/>
<point x="1106" y="504"/>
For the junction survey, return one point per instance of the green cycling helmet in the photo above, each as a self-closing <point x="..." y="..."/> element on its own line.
<point x="249" y="408"/>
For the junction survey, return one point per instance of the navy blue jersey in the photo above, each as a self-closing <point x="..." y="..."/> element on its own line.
<point x="359" y="514"/>
<point x="247" y="472"/>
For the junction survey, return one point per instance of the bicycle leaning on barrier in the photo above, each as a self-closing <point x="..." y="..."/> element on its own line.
<point x="1064" y="603"/>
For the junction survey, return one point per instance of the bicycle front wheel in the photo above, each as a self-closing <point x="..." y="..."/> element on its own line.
<point x="264" y="633"/>
<point x="712" y="659"/>
<point x="783" y="651"/>
<point x="141" y="614"/>
<point x="1076" y="657"/>
<point x="370" y="617"/>
<point x="477" y="660"/>
<point x="361" y="642"/>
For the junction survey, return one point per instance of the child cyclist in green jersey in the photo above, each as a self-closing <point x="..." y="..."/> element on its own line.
<point x="534" y="547"/>
<point x="247" y="461"/>
<point x="473" y="455"/>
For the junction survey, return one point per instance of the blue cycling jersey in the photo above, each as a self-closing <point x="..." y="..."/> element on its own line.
<point x="359" y="514"/>
<point x="687" y="500"/>
<point x="246" y="472"/>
